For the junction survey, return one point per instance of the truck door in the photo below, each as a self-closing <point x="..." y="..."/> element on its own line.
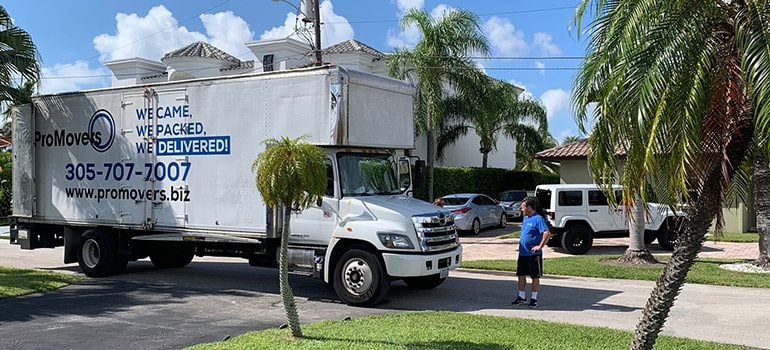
<point x="171" y="122"/>
<point x="128" y="172"/>
<point x="315" y="225"/>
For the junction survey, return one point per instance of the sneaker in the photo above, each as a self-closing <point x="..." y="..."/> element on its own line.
<point x="519" y="301"/>
<point x="533" y="303"/>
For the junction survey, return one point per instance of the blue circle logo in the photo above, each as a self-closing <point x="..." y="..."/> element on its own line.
<point x="102" y="124"/>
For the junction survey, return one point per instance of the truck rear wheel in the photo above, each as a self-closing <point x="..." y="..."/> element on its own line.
<point x="360" y="278"/>
<point x="577" y="239"/>
<point x="98" y="255"/>
<point x="172" y="258"/>
<point x="424" y="282"/>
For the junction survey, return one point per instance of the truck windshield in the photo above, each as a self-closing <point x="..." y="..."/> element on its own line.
<point x="367" y="174"/>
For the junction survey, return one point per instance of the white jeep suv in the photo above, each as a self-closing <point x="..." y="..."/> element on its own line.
<point x="578" y="213"/>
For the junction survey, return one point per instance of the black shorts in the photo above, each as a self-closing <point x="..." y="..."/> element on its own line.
<point x="531" y="266"/>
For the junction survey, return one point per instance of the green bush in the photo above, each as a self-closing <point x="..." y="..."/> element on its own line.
<point x="489" y="181"/>
<point x="6" y="172"/>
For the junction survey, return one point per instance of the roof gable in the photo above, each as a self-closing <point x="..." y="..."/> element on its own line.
<point x="202" y="49"/>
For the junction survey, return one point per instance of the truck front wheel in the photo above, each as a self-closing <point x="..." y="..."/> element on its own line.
<point x="424" y="282"/>
<point x="98" y="255"/>
<point x="360" y="278"/>
<point x="577" y="239"/>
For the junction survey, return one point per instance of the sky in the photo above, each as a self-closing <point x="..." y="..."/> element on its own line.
<point x="534" y="44"/>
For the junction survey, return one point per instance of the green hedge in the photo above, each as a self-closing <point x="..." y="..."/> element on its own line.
<point x="489" y="181"/>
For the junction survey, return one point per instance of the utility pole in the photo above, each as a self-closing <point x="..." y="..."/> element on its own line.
<point x="317" y="25"/>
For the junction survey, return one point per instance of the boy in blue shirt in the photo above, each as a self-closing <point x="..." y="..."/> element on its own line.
<point x="534" y="235"/>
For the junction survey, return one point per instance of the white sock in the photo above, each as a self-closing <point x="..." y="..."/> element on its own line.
<point x="534" y="295"/>
<point x="522" y="294"/>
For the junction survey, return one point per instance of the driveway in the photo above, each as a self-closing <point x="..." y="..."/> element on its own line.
<point x="218" y="297"/>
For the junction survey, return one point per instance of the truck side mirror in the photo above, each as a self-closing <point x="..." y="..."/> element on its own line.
<point x="404" y="174"/>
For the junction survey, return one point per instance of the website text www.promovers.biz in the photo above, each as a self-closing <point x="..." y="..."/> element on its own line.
<point x="174" y="194"/>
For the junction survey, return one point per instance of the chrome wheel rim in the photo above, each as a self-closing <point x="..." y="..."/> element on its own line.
<point x="357" y="276"/>
<point x="91" y="253"/>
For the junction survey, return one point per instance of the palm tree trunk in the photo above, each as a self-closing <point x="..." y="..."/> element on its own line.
<point x="431" y="154"/>
<point x="637" y="253"/>
<point x="762" y="206"/>
<point x="289" y="306"/>
<point x="484" y="159"/>
<point x="707" y="200"/>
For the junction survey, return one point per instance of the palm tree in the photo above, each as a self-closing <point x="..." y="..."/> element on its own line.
<point x="685" y="85"/>
<point x="762" y="208"/>
<point x="570" y="139"/>
<point x="441" y="57"/>
<point x="489" y="109"/>
<point x="526" y="155"/>
<point x="24" y="96"/>
<point x="291" y="174"/>
<point x="18" y="60"/>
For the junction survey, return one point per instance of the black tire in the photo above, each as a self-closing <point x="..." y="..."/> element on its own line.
<point x="667" y="236"/>
<point x="577" y="239"/>
<point x="172" y="258"/>
<point x="424" y="282"/>
<point x="503" y="221"/>
<point x="554" y="241"/>
<point x="650" y="236"/>
<point x="99" y="255"/>
<point x="360" y="278"/>
<point x="475" y="227"/>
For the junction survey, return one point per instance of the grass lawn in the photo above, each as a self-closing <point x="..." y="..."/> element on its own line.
<point x="15" y="282"/>
<point x="447" y="330"/>
<point x="515" y="234"/>
<point x="705" y="271"/>
<point x="745" y="237"/>
<point x="4" y="221"/>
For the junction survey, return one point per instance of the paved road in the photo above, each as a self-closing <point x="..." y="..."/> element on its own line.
<point x="215" y="297"/>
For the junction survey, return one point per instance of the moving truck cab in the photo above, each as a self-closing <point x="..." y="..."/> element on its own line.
<point x="164" y="171"/>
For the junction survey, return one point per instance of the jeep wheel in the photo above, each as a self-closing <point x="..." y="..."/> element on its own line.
<point x="577" y="239"/>
<point x="649" y="236"/>
<point x="667" y="236"/>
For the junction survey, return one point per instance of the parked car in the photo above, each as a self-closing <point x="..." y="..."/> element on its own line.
<point x="511" y="200"/>
<point x="580" y="213"/>
<point x="474" y="211"/>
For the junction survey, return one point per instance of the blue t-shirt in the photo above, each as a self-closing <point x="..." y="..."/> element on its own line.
<point x="532" y="229"/>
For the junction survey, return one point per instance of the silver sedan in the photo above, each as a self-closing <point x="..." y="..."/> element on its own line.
<point x="475" y="211"/>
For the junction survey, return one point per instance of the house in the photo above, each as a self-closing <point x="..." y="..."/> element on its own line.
<point x="573" y="161"/>
<point x="203" y="60"/>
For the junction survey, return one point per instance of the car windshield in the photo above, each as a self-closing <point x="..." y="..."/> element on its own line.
<point x="512" y="196"/>
<point x="367" y="174"/>
<point x="455" y="200"/>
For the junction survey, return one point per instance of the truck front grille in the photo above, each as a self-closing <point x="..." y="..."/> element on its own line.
<point x="436" y="232"/>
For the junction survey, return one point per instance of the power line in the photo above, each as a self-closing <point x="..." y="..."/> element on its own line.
<point x="480" y="15"/>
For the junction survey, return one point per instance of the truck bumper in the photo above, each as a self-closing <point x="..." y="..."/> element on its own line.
<point x="402" y="265"/>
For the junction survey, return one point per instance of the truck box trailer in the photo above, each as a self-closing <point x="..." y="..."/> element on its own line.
<point x="164" y="171"/>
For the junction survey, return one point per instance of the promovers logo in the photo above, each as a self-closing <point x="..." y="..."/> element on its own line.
<point x="100" y="134"/>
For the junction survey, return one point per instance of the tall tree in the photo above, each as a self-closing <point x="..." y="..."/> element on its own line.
<point x="684" y="85"/>
<point x="18" y="60"/>
<point x="762" y="208"/>
<point x="441" y="59"/>
<point x="570" y="139"/>
<point x="526" y="155"/>
<point x="490" y="109"/>
<point x="291" y="175"/>
<point x="24" y="96"/>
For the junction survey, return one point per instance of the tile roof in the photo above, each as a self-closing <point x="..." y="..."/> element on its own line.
<point x="4" y="141"/>
<point x="571" y="151"/>
<point x="242" y="65"/>
<point x="352" y="45"/>
<point x="202" y="49"/>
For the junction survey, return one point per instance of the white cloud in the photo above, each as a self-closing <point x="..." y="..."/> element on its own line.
<point x="404" y="5"/>
<point x="544" y="43"/>
<point x="541" y="66"/>
<point x="440" y="10"/>
<point x="504" y="37"/>
<point x="335" y="29"/>
<point x="72" y="77"/>
<point x="148" y="37"/>
<point x="555" y="100"/>
<point x="229" y="33"/>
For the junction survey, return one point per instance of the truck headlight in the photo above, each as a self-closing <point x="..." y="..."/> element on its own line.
<point x="394" y="240"/>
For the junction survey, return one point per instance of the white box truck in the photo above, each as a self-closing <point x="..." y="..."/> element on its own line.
<point x="164" y="171"/>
